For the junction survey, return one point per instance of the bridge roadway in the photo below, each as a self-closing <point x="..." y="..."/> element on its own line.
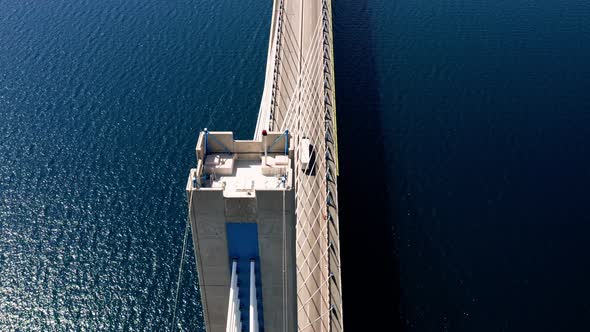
<point x="298" y="96"/>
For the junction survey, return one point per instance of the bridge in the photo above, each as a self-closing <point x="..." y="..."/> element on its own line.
<point x="264" y="213"/>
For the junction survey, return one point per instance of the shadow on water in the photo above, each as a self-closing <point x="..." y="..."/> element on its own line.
<point x="370" y="270"/>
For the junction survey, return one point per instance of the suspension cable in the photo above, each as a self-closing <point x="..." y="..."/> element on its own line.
<point x="181" y="261"/>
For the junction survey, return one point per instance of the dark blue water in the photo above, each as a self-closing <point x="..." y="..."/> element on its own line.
<point x="475" y="120"/>
<point x="100" y="107"/>
<point x="476" y="115"/>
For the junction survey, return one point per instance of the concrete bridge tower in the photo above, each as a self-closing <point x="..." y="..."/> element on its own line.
<point x="241" y="204"/>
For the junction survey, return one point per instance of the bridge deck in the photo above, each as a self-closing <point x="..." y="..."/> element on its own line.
<point x="299" y="97"/>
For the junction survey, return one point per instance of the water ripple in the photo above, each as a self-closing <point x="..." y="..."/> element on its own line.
<point x="100" y="104"/>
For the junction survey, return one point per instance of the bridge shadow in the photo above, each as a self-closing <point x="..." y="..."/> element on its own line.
<point x="370" y="276"/>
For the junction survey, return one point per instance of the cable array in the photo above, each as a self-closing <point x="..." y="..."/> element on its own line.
<point x="304" y="105"/>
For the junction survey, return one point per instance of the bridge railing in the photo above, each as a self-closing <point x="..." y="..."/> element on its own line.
<point x="268" y="102"/>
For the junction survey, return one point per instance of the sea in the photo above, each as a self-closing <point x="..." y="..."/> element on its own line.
<point x="464" y="158"/>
